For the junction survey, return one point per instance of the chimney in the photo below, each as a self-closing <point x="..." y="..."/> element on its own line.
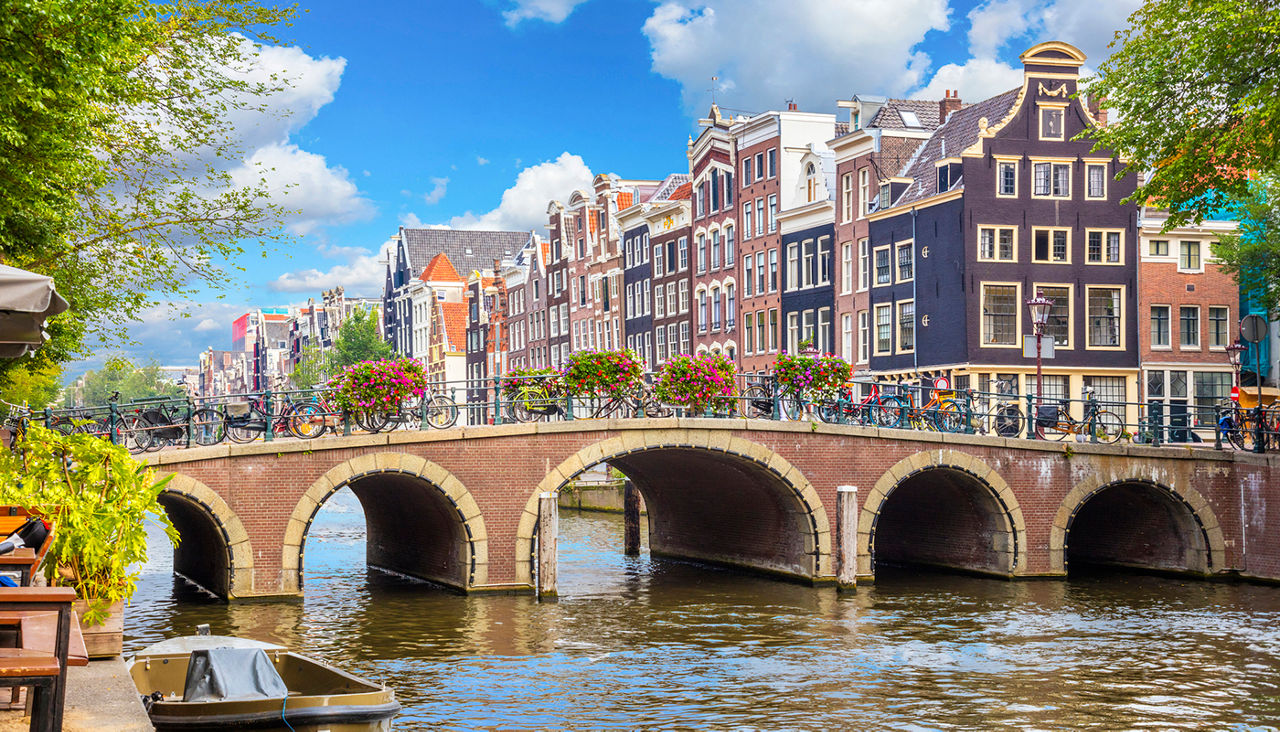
<point x="792" y="106"/>
<point x="1098" y="111"/>
<point x="948" y="105"/>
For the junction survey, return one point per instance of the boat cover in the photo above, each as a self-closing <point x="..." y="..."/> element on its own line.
<point x="223" y="674"/>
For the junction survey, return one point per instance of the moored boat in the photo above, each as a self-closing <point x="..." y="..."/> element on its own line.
<point x="206" y="682"/>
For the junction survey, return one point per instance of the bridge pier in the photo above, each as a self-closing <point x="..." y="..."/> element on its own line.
<point x="847" y="537"/>
<point x="548" y="532"/>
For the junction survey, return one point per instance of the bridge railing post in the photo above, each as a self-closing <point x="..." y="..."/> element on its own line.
<point x="48" y="417"/>
<point x="846" y="537"/>
<point x="1033" y="419"/>
<point x="1217" y="428"/>
<point x="568" y="404"/>
<point x="346" y="423"/>
<point x="268" y="434"/>
<point x="191" y="410"/>
<point x="423" y="424"/>
<point x="113" y="421"/>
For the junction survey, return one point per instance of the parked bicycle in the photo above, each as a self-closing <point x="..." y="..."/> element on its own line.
<point x="942" y="412"/>
<point x="1054" y="421"/>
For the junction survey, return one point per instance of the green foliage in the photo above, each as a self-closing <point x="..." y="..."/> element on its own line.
<point x="34" y="384"/>
<point x="117" y="146"/>
<point x="128" y="378"/>
<point x="812" y="375"/>
<point x="358" y="340"/>
<point x="1197" y="89"/>
<point x="696" y="382"/>
<point x="312" y="368"/>
<point x="98" y="499"/>
<point x="603" y="373"/>
<point x="1252" y="254"/>
<point x="378" y="386"/>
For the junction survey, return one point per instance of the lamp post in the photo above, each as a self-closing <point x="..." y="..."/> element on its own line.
<point x="1039" y="306"/>
<point x="1235" y="355"/>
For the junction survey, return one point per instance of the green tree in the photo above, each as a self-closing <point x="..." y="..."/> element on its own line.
<point x="117" y="148"/>
<point x="130" y="379"/>
<point x="358" y="340"/>
<point x="1252" y="254"/>
<point x="1196" y="86"/>
<point x="33" y="384"/>
<point x="312" y="368"/>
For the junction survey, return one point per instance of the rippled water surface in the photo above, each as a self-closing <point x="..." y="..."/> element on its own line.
<point x="647" y="643"/>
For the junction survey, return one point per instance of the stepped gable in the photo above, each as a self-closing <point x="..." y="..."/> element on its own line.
<point x="955" y="136"/>
<point x="466" y="250"/>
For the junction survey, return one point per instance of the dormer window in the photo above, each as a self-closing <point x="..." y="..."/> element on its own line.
<point x="884" y="197"/>
<point x="811" y="181"/>
<point x="944" y="178"/>
<point x="1051" y="123"/>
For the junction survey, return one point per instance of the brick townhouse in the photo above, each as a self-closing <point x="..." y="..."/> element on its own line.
<point x="657" y="272"/>
<point x="714" y="238"/>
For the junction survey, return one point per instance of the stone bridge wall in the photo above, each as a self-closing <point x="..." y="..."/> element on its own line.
<point x="460" y="506"/>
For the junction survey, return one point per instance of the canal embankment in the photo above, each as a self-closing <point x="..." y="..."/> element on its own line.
<point x="100" y="696"/>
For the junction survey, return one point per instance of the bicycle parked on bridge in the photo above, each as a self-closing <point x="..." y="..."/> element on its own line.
<point x="1054" y="421"/>
<point x="942" y="412"/>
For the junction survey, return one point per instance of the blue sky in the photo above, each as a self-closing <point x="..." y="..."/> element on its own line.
<point x="475" y="113"/>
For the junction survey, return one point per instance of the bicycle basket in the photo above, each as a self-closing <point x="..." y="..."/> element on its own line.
<point x="238" y="410"/>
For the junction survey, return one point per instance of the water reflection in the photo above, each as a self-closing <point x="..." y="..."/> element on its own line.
<point x="637" y="642"/>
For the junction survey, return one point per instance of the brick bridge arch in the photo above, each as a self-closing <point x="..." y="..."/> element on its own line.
<point x="412" y="478"/>
<point x="774" y="477"/>
<point x="1007" y="553"/>
<point x="204" y="520"/>
<point x="1193" y="538"/>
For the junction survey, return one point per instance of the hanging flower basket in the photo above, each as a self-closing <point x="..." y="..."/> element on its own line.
<point x="603" y="373"/>
<point x="697" y="382"/>
<point x="812" y="375"/>
<point x="523" y="383"/>
<point x="373" y="387"/>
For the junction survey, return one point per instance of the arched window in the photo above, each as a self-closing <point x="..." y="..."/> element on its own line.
<point x="811" y="180"/>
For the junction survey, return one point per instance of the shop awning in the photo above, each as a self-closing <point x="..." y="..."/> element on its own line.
<point x="26" y="301"/>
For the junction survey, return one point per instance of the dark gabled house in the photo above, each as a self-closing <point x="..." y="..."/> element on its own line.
<point x="1001" y="202"/>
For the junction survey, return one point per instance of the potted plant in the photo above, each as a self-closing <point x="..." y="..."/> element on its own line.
<point x="813" y="375"/>
<point x="374" y="392"/>
<point x="98" y="499"/>
<point x="697" y="382"/>
<point x="603" y="373"/>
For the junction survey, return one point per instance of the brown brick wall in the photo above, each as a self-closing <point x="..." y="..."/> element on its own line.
<point x="1160" y="283"/>
<point x="705" y="503"/>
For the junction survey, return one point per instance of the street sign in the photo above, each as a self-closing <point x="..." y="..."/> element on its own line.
<point x="1029" y="347"/>
<point x="1253" y="328"/>
<point x="1235" y="393"/>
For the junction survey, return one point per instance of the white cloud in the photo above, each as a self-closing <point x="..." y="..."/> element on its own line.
<point x="207" y="325"/>
<point x="363" y="274"/>
<point x="524" y="205"/>
<point x="1015" y="25"/>
<point x="173" y="334"/>
<point x="814" y="51"/>
<point x="480" y="160"/>
<point x="976" y="79"/>
<point x="411" y="221"/>
<point x="317" y="194"/>
<point x="437" y="192"/>
<point x="552" y="11"/>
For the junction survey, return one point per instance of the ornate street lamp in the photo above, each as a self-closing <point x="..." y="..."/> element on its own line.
<point x="1235" y="355"/>
<point x="1039" y="307"/>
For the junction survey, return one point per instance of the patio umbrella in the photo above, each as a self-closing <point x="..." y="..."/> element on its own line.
<point x="26" y="301"/>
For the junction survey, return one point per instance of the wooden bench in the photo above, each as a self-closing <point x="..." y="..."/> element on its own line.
<point x="44" y="649"/>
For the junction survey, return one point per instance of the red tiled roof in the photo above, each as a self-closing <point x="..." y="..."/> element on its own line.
<point x="625" y="199"/>
<point x="683" y="193"/>
<point x="455" y="324"/>
<point x="440" y="269"/>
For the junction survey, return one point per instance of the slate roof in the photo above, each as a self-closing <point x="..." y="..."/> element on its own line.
<point x="958" y="133"/>
<point x="466" y="250"/>
<point x="889" y="116"/>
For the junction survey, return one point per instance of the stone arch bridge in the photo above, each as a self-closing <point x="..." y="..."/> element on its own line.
<point x="461" y="507"/>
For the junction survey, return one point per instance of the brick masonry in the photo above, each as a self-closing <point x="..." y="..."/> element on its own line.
<point x="460" y="506"/>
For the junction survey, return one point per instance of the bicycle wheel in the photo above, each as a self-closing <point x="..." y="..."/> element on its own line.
<point x="1007" y="421"/>
<point x="306" y="421"/>
<point x="442" y="412"/>
<point x="948" y="417"/>
<point x="609" y="407"/>
<point x="758" y="402"/>
<point x="792" y="406"/>
<point x="371" y="421"/>
<point x="242" y="432"/>
<point x="1060" y="428"/>
<point x="207" y="427"/>
<point x="1107" y="426"/>
<point x="132" y="433"/>
<point x="888" y="412"/>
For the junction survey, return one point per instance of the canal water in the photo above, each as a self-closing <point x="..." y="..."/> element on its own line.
<point x="652" y="643"/>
